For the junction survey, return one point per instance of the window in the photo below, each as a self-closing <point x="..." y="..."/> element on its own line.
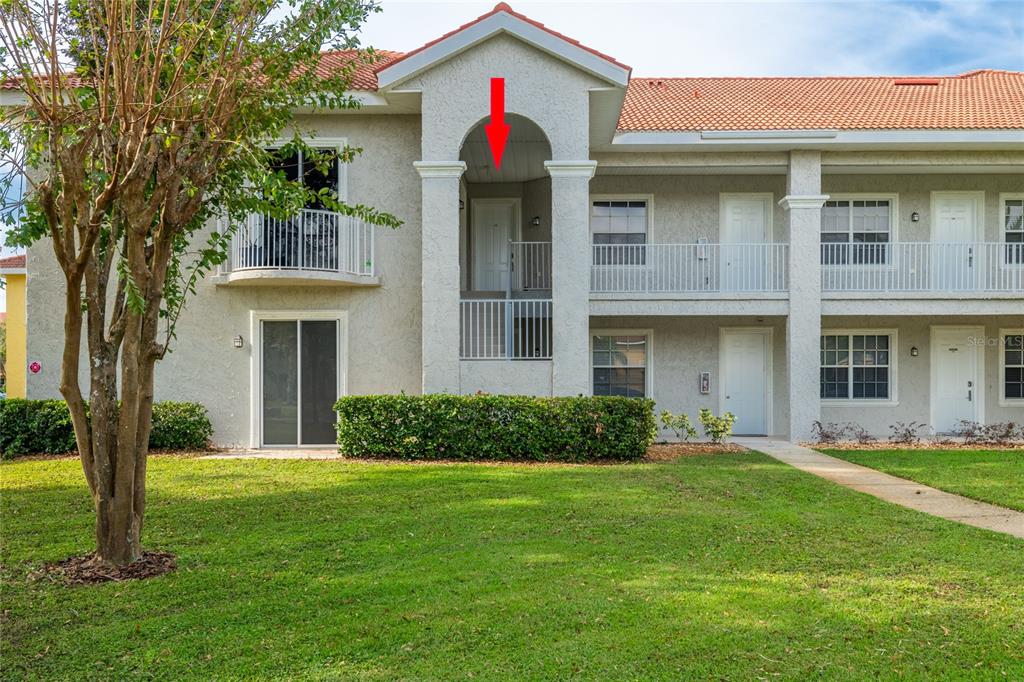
<point x="619" y="229"/>
<point x="1012" y="210"/>
<point x="297" y="167"/>
<point x="620" y="364"/>
<point x="305" y="240"/>
<point x="1013" y="365"/>
<point x="856" y="231"/>
<point x="856" y="366"/>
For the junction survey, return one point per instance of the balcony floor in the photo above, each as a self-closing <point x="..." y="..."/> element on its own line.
<point x="257" y="277"/>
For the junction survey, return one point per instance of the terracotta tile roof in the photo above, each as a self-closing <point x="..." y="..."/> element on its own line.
<point x="504" y="7"/>
<point x="365" y="75"/>
<point x="13" y="262"/>
<point x="979" y="99"/>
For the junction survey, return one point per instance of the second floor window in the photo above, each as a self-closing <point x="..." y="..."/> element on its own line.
<point x="1013" y="229"/>
<point x="619" y="229"/>
<point x="856" y="231"/>
<point x="297" y="167"/>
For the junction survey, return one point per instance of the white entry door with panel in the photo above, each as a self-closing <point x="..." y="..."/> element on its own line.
<point x="493" y="227"/>
<point x="955" y="230"/>
<point x="745" y="226"/>
<point x="746" y="379"/>
<point x="957" y="359"/>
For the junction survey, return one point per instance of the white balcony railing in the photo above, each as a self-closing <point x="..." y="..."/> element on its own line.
<point x="312" y="240"/>
<point x="923" y="267"/>
<point x="689" y="268"/>
<point x="531" y="266"/>
<point x="505" y="329"/>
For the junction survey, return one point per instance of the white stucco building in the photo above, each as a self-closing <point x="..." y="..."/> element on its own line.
<point x="788" y="249"/>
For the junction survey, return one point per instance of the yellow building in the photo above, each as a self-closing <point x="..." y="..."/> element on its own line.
<point x="12" y="269"/>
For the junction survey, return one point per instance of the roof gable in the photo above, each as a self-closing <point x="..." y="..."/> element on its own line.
<point x="502" y="19"/>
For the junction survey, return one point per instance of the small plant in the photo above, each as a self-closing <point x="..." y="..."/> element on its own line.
<point x="908" y="433"/>
<point x="717" y="429"/>
<point x="999" y="433"/>
<point x="678" y="424"/>
<point x="828" y="432"/>
<point x="860" y="434"/>
<point x="1003" y="433"/>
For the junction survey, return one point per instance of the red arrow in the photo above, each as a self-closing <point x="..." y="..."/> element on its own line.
<point x="497" y="130"/>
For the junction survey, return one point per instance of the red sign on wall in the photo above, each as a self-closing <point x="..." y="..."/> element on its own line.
<point x="34" y="367"/>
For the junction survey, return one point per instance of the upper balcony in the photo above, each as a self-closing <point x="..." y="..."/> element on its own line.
<point x="700" y="270"/>
<point x="311" y="248"/>
<point x="922" y="270"/>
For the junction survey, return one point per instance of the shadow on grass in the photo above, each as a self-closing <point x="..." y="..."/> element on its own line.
<point x="726" y="566"/>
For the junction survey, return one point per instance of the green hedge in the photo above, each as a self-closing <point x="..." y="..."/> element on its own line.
<point x="495" y="427"/>
<point x="31" y="427"/>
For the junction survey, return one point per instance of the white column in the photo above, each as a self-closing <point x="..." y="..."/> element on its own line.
<point x="440" y="274"/>
<point x="803" y="202"/>
<point x="570" y="274"/>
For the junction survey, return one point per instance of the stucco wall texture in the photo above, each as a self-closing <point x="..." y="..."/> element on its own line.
<point x="386" y="333"/>
<point x="383" y="322"/>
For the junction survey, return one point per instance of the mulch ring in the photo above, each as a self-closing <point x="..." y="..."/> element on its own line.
<point x="665" y="452"/>
<point x="86" y="570"/>
<point x="937" y="444"/>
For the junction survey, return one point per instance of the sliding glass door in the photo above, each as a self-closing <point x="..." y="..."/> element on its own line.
<point x="300" y="381"/>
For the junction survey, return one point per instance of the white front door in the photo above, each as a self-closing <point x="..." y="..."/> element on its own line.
<point x="745" y="368"/>
<point x="493" y="225"/>
<point x="956" y="377"/>
<point x="744" y="228"/>
<point x="954" y="233"/>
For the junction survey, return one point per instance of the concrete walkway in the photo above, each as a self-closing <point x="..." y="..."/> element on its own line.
<point x="892" y="489"/>
<point x="319" y="453"/>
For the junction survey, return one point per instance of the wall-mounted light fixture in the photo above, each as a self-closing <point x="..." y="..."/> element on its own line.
<point x="462" y="205"/>
<point x="914" y="351"/>
<point x="915" y="216"/>
<point x="535" y="221"/>
<point x="237" y="342"/>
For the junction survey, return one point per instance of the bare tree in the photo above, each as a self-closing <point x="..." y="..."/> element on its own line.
<point x="138" y="123"/>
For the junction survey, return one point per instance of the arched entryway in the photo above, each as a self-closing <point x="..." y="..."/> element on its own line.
<point x="505" y="245"/>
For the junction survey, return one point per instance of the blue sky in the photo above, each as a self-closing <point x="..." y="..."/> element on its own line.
<point x="751" y="38"/>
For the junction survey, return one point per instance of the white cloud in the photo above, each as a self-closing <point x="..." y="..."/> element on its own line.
<point x="751" y="38"/>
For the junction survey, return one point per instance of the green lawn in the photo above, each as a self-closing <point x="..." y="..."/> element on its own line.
<point x="988" y="475"/>
<point x="729" y="567"/>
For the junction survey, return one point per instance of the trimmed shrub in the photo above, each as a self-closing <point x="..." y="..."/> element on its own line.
<point x="36" y="427"/>
<point x="30" y="427"/>
<point x="180" y="426"/>
<point x="495" y="427"/>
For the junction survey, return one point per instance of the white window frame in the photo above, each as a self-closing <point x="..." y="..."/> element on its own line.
<point x="894" y="224"/>
<point x="336" y="143"/>
<point x="893" y="398"/>
<point x="647" y="198"/>
<point x="256" y="319"/>
<point x="1003" y="400"/>
<point x="649" y="367"/>
<point x="1003" y="198"/>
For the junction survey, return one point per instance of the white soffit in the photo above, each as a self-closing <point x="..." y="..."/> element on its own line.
<point x="501" y="22"/>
